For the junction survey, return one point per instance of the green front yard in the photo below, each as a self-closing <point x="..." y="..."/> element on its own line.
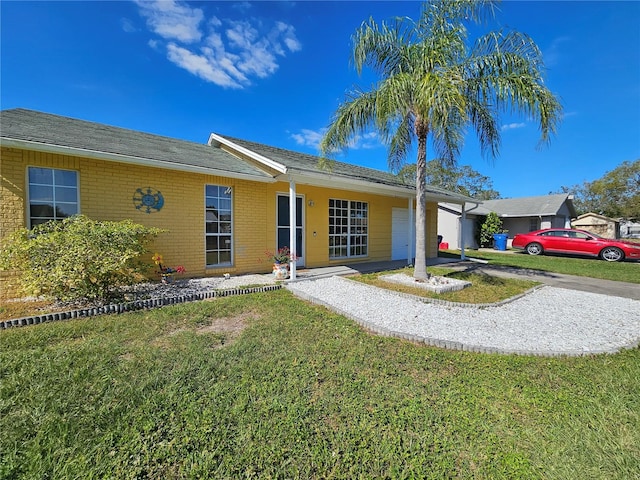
<point x="483" y="289"/>
<point x="627" y="271"/>
<point x="267" y="386"/>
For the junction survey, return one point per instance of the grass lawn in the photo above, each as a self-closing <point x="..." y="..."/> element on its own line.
<point x="628" y="271"/>
<point x="267" y="386"/>
<point x="483" y="289"/>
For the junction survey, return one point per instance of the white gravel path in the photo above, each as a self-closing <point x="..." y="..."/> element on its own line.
<point x="548" y="321"/>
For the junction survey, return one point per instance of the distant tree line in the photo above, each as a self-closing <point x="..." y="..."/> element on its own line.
<point x="460" y="179"/>
<point x="615" y="195"/>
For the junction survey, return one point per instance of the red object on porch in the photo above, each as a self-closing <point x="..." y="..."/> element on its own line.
<point x="444" y="245"/>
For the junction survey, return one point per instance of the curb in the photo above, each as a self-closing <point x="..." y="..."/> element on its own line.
<point x="135" y="305"/>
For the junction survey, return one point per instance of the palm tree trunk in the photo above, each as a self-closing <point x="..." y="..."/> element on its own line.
<point x="420" y="267"/>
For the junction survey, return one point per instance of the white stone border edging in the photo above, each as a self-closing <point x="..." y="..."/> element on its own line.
<point x="451" y="344"/>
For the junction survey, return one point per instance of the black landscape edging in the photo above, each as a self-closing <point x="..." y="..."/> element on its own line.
<point x="135" y="305"/>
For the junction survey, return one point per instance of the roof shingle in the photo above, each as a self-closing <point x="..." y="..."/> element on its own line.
<point x="49" y="129"/>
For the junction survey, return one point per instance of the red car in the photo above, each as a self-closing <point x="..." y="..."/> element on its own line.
<point x="576" y="242"/>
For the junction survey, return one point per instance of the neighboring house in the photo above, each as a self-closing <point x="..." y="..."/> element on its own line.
<point x="629" y="228"/>
<point x="518" y="215"/>
<point x="224" y="203"/>
<point x="599" y="224"/>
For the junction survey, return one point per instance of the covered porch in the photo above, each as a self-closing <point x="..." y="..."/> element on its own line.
<point x="364" y="267"/>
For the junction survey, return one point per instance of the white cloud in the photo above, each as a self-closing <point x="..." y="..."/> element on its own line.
<point x="312" y="138"/>
<point x="228" y="53"/>
<point x="365" y="142"/>
<point x="309" y="138"/>
<point x="289" y="36"/>
<point x="200" y="66"/>
<point x="173" y="20"/>
<point x="512" y="126"/>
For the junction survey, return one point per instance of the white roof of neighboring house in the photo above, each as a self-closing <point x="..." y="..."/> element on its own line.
<point x="585" y="216"/>
<point x="543" y="205"/>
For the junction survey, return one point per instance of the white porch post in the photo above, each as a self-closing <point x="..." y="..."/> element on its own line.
<point x="410" y="235"/>
<point x="292" y="227"/>
<point x="462" y="223"/>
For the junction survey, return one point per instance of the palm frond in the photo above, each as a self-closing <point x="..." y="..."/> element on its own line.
<point x="400" y="144"/>
<point x="382" y="47"/>
<point x="484" y="121"/>
<point x="356" y="114"/>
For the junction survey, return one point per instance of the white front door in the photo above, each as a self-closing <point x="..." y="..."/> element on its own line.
<point x="282" y="225"/>
<point x="400" y="234"/>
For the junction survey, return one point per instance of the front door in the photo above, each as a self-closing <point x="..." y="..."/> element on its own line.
<point x="282" y="225"/>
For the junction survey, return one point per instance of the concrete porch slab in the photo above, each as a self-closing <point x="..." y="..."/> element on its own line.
<point x="364" y="267"/>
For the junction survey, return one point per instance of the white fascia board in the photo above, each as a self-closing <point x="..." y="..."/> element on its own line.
<point x="213" y="139"/>
<point x="343" y="183"/>
<point x="115" y="157"/>
<point x="453" y="207"/>
<point x="346" y="183"/>
<point x="513" y="215"/>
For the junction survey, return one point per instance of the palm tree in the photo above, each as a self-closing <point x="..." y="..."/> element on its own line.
<point x="433" y="86"/>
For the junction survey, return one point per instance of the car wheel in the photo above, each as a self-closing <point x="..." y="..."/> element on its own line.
<point x="534" y="249"/>
<point x="612" y="254"/>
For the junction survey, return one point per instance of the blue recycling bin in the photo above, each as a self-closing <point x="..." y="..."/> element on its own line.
<point x="500" y="241"/>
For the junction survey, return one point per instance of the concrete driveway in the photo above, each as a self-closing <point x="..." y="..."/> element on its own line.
<point x="572" y="282"/>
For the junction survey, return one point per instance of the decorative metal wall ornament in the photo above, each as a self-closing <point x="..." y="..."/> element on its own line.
<point x="148" y="200"/>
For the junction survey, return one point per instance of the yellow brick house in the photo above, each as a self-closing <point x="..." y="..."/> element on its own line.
<point x="224" y="203"/>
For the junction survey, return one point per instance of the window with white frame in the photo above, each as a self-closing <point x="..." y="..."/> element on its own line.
<point x="348" y="228"/>
<point x="53" y="194"/>
<point x="218" y="228"/>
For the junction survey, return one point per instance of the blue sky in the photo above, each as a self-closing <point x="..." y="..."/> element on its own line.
<point x="274" y="72"/>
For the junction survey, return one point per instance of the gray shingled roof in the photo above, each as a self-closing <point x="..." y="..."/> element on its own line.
<point x="54" y="130"/>
<point x="49" y="129"/>
<point x="304" y="163"/>
<point x="525" y="206"/>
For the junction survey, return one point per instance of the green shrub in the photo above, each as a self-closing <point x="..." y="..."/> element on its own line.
<point x="78" y="258"/>
<point x="491" y="225"/>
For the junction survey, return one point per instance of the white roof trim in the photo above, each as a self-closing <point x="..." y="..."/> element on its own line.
<point x="342" y="183"/>
<point x="320" y="179"/>
<point x="115" y="157"/>
<point x="349" y="183"/>
<point x="215" y="140"/>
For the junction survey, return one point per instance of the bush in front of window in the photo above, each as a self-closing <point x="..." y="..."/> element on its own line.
<point x="78" y="258"/>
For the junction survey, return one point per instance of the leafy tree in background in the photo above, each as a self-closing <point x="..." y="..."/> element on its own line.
<point x="616" y="194"/>
<point x="489" y="225"/>
<point x="433" y="85"/>
<point x="464" y="180"/>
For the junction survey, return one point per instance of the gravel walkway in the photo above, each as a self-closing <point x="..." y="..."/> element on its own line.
<point x="548" y="321"/>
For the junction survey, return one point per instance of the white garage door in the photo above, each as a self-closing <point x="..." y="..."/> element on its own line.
<point x="400" y="234"/>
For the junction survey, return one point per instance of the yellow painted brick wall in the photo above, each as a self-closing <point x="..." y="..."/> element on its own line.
<point x="107" y="190"/>
<point x="316" y="247"/>
<point x="12" y="189"/>
<point x="106" y="193"/>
